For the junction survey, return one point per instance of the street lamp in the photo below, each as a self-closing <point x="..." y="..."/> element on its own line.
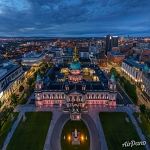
<point x="69" y="138"/>
<point x="82" y="138"/>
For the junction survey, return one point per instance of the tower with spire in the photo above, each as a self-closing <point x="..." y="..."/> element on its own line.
<point x="75" y="55"/>
<point x="39" y="82"/>
<point x="112" y="82"/>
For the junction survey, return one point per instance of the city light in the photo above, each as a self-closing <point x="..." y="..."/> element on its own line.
<point x="82" y="138"/>
<point x="69" y="138"/>
<point x="1" y="94"/>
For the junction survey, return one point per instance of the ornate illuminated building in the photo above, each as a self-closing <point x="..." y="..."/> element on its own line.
<point x="78" y="87"/>
<point x="75" y="69"/>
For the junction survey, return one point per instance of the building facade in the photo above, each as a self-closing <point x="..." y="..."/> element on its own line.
<point x="10" y="78"/>
<point x="78" y="91"/>
<point x="133" y="69"/>
<point x="32" y="59"/>
<point x="146" y="83"/>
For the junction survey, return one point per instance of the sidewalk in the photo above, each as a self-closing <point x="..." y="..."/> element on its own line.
<point x="11" y="132"/>
<point x="56" y="115"/>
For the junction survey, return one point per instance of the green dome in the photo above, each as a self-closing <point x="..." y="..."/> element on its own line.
<point x="112" y="77"/>
<point x="146" y="68"/>
<point x="38" y="77"/>
<point x="75" y="65"/>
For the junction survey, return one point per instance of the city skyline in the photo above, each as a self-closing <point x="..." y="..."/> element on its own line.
<point x="90" y="18"/>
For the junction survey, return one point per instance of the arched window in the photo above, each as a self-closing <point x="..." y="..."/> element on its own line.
<point x="106" y="96"/>
<point x="75" y="98"/>
<point x="97" y="96"/>
<point x="70" y="98"/>
<point x="58" y="96"/>
<point x="88" y="96"/>
<point x="92" y="95"/>
<point x="80" y="98"/>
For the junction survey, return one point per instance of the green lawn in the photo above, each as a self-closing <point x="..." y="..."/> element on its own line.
<point x="6" y="128"/>
<point x="145" y="125"/>
<point x="117" y="130"/>
<point x="69" y="127"/>
<point x="31" y="134"/>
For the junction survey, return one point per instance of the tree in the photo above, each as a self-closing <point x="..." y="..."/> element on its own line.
<point x="1" y="104"/>
<point x="30" y="81"/>
<point x="14" y="99"/>
<point x="21" y="88"/>
<point x="114" y="71"/>
<point x="142" y="108"/>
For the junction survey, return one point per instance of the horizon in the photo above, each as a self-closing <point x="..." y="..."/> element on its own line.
<point x="69" y="18"/>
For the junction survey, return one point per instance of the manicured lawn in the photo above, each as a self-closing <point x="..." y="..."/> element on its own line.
<point x="118" y="130"/>
<point x="69" y="127"/>
<point x="6" y="128"/>
<point x="145" y="125"/>
<point x="31" y="134"/>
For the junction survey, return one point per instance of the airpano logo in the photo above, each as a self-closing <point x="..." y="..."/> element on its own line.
<point x="133" y="143"/>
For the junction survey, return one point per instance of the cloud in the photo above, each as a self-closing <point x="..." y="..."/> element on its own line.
<point x="74" y="17"/>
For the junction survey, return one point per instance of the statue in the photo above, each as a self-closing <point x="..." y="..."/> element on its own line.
<point x="75" y="133"/>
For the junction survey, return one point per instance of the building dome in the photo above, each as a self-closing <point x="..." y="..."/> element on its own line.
<point x="112" y="77"/>
<point x="75" y="65"/>
<point x="38" y="77"/>
<point x="146" y="68"/>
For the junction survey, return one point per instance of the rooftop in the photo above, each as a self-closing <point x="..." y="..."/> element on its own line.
<point x="6" y="68"/>
<point x="52" y="84"/>
<point x="32" y="54"/>
<point x="134" y="63"/>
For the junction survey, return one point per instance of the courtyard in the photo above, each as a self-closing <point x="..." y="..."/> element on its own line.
<point x="66" y="136"/>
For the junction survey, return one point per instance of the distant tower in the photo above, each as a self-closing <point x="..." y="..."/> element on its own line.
<point x="111" y="41"/>
<point x="66" y="86"/>
<point x="75" y="55"/>
<point x="112" y="83"/>
<point x="146" y="69"/>
<point x="108" y="44"/>
<point x="83" y="86"/>
<point x="39" y="83"/>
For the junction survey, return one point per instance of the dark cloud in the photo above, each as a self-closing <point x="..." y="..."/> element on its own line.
<point x="74" y="17"/>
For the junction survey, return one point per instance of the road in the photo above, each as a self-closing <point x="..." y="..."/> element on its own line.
<point x="56" y="134"/>
<point x="94" y="136"/>
<point x="125" y="99"/>
<point x="55" y="142"/>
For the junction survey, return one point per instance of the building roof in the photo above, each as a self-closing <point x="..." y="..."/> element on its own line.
<point x="112" y="77"/>
<point x="75" y="65"/>
<point x="38" y="77"/>
<point x="134" y="63"/>
<point x="7" y="68"/>
<point x="52" y="84"/>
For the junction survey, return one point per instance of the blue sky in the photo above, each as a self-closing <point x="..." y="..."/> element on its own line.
<point x="74" y="18"/>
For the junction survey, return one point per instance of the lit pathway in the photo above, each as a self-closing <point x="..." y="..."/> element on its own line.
<point x="55" y="127"/>
<point x="95" y="141"/>
<point x="55" y="140"/>
<point x="96" y="119"/>
<point x="10" y="134"/>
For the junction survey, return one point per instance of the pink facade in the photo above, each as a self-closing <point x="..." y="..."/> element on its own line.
<point x="103" y="99"/>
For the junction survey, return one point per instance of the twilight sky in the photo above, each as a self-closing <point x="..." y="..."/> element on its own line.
<point x="74" y="17"/>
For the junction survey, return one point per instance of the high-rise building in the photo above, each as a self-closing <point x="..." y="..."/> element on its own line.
<point x="111" y="41"/>
<point x="114" y="41"/>
<point x="108" y="46"/>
